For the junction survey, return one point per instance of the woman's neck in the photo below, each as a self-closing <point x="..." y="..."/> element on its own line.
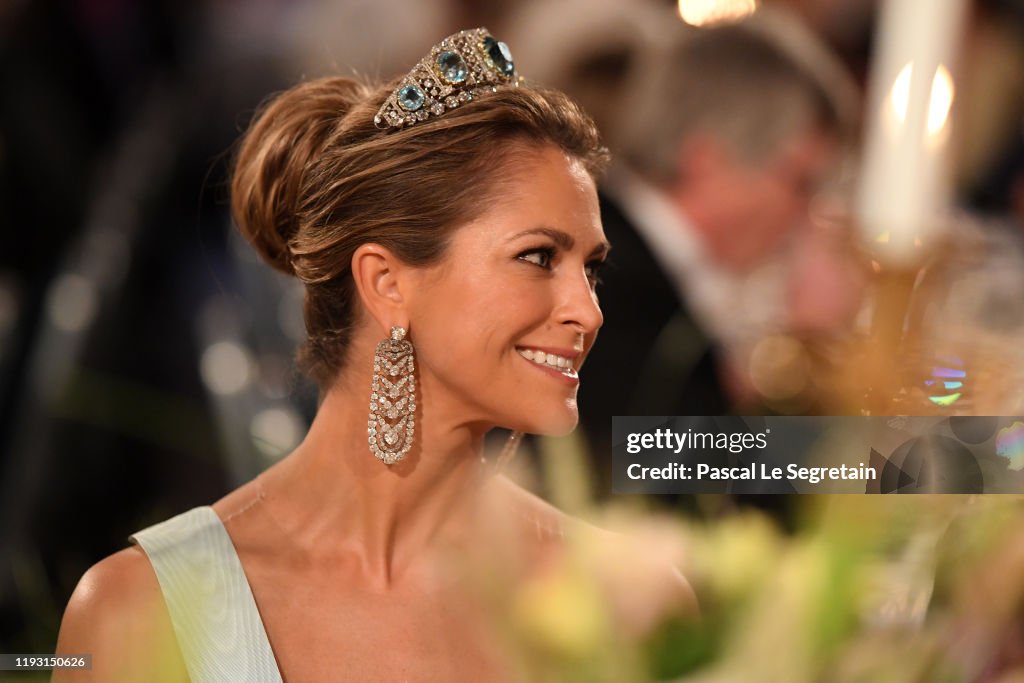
<point x="332" y="495"/>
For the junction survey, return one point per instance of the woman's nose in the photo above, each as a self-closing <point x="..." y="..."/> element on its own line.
<point x="580" y="306"/>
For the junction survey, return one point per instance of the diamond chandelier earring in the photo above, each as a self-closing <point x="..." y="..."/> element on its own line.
<point x="391" y="424"/>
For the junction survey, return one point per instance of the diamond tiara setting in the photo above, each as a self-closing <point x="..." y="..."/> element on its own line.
<point x="459" y="69"/>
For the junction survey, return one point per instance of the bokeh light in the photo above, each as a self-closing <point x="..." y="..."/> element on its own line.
<point x="779" y="367"/>
<point x="71" y="303"/>
<point x="946" y="383"/>
<point x="276" y="431"/>
<point x="709" y="12"/>
<point x="225" y="368"/>
<point x="1010" y="445"/>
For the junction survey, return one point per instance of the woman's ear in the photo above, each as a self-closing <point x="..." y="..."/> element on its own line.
<point x="377" y="273"/>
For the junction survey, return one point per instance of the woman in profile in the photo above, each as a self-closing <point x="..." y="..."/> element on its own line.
<point x="447" y="232"/>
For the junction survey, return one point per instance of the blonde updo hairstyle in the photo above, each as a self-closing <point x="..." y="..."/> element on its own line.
<point x="314" y="179"/>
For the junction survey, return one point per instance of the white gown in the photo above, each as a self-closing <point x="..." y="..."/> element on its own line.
<point x="218" y="627"/>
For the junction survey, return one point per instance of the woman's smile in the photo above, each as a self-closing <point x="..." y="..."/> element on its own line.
<point x="556" y="363"/>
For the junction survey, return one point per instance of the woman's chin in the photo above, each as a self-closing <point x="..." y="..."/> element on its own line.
<point x="553" y="425"/>
<point x="562" y="430"/>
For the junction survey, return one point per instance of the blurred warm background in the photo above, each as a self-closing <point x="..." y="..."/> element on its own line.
<point x="146" y="356"/>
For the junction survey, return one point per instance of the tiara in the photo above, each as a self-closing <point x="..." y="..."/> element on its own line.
<point x="458" y="69"/>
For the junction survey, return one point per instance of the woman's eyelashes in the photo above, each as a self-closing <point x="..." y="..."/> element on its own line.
<point x="544" y="257"/>
<point x="593" y="269"/>
<point x="538" y="256"/>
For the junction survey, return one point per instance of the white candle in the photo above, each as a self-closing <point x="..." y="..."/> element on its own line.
<point x="904" y="183"/>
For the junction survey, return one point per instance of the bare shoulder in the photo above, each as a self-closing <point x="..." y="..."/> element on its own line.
<point x="533" y="508"/>
<point x="117" y="614"/>
<point x="627" y="565"/>
<point x="640" y="566"/>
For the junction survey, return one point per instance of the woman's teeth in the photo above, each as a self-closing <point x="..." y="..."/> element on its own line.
<point x="549" y="359"/>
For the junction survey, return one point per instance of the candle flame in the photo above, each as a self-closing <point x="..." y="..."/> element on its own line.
<point x="899" y="96"/>
<point x="940" y="99"/>
<point x="707" y="12"/>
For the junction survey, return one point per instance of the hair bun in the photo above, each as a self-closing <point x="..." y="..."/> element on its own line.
<point x="287" y="135"/>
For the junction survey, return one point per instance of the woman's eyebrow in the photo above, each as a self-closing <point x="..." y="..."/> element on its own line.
<point x="561" y="239"/>
<point x="601" y="250"/>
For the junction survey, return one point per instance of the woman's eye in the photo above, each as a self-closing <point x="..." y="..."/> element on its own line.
<point x="593" y="271"/>
<point x="538" y="257"/>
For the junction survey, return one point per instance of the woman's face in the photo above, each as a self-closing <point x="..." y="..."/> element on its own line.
<point x="503" y="323"/>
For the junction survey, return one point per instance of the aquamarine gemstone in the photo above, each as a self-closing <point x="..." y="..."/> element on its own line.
<point x="500" y="55"/>
<point x="411" y="98"/>
<point x="452" y="67"/>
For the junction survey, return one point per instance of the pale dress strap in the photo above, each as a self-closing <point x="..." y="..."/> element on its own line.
<point x="218" y="626"/>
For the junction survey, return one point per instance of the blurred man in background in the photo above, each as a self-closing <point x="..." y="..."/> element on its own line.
<point x="723" y="137"/>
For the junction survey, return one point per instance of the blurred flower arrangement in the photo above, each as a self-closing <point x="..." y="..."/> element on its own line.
<point x="868" y="589"/>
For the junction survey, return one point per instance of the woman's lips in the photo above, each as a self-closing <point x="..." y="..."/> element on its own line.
<point x="559" y="365"/>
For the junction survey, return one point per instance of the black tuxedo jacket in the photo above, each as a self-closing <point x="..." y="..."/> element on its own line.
<point x="651" y="357"/>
